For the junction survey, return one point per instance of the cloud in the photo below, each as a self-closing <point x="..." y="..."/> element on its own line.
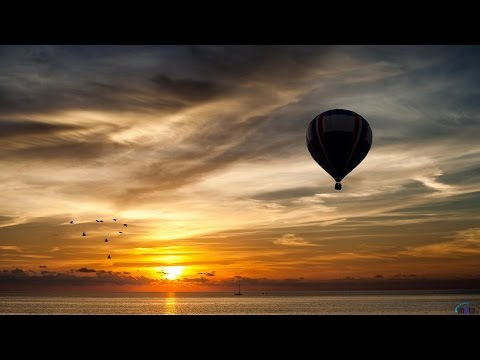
<point x="188" y="89"/>
<point x="404" y="275"/>
<point x="47" y="279"/>
<point x="15" y="128"/>
<point x="200" y="142"/>
<point x="292" y="240"/>
<point x="64" y="78"/>
<point x="207" y="273"/>
<point x="85" y="270"/>
<point x="291" y="193"/>
<point x="62" y="149"/>
<point x="203" y="146"/>
<point x="432" y="182"/>
<point x="6" y="220"/>
<point x="10" y="247"/>
<point x="201" y="280"/>
<point x="18" y="272"/>
<point x="463" y="243"/>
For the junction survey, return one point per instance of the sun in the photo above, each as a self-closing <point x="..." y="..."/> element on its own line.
<point x="172" y="272"/>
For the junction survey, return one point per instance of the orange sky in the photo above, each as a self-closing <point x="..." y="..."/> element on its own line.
<point x="201" y="151"/>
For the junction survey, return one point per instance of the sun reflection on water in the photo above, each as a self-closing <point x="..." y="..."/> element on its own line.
<point x="170" y="304"/>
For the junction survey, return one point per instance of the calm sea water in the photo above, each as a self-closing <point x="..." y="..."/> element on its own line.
<point x="288" y="303"/>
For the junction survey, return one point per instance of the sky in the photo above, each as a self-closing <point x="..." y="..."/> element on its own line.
<point x="201" y="151"/>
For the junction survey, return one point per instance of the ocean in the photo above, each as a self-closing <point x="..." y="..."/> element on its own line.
<point x="274" y="303"/>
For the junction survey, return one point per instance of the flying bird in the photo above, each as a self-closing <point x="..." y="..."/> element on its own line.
<point x="84" y="234"/>
<point x="71" y="222"/>
<point x="106" y="240"/>
<point x="114" y="219"/>
<point x="97" y="221"/>
<point x="109" y="257"/>
<point x="125" y="225"/>
<point x="120" y="232"/>
<point x="101" y="220"/>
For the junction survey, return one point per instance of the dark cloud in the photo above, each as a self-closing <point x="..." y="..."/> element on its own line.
<point x="201" y="280"/>
<point x="85" y="270"/>
<point x="43" y="266"/>
<point x="207" y="273"/>
<point x="18" y="272"/>
<point x="294" y="193"/>
<point x="47" y="279"/>
<point x="64" y="150"/>
<point x="6" y="219"/>
<point x="13" y="128"/>
<point x="52" y="279"/>
<point x="459" y="204"/>
<point x="55" y="79"/>
<point x="442" y="112"/>
<point x="465" y="175"/>
<point x="378" y="276"/>
<point x="60" y="78"/>
<point x="146" y="79"/>
<point x="188" y="89"/>
<point x="211" y="149"/>
<point x="255" y="64"/>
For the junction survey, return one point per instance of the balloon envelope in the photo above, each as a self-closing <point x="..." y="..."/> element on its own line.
<point x="338" y="141"/>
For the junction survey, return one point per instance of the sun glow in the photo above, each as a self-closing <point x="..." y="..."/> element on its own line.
<point x="171" y="272"/>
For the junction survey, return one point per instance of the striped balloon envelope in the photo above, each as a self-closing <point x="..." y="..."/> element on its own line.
<point x="338" y="141"/>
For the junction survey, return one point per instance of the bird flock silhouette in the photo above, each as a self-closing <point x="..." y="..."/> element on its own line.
<point x="106" y="239"/>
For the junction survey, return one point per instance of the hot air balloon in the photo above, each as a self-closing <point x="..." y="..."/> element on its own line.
<point x="338" y="141"/>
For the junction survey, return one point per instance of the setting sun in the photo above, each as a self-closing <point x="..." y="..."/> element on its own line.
<point x="173" y="272"/>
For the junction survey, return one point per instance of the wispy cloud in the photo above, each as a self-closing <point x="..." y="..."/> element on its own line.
<point x="10" y="247"/>
<point x="292" y="240"/>
<point x="463" y="243"/>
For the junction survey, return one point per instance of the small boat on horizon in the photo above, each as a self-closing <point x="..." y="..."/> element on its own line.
<point x="239" y="291"/>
